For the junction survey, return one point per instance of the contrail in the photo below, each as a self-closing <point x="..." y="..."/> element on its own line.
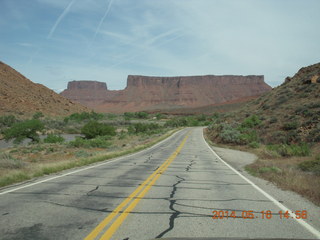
<point x="143" y="52"/>
<point x="102" y="19"/>
<point x="64" y="13"/>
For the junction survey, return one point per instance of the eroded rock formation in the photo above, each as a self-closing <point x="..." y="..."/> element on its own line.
<point x="160" y="93"/>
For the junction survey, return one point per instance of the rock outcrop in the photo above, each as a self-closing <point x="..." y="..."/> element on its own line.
<point x="20" y="96"/>
<point x="161" y="93"/>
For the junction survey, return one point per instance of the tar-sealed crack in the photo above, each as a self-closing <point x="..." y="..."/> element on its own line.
<point x="190" y="165"/>
<point x="175" y="213"/>
<point x="96" y="188"/>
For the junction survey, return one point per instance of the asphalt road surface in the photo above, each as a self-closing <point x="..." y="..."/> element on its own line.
<point x="174" y="189"/>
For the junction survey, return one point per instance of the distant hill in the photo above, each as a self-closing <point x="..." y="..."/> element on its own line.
<point x="167" y="94"/>
<point x="20" y="96"/>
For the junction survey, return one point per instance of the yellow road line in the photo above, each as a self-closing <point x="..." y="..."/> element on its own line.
<point x="142" y="189"/>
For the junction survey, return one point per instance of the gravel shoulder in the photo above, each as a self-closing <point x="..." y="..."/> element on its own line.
<point x="239" y="159"/>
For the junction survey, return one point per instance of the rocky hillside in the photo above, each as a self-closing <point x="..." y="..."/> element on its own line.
<point x="165" y="93"/>
<point x="289" y="113"/>
<point x="20" y="96"/>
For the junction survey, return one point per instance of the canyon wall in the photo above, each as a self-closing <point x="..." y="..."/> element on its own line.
<point x="161" y="93"/>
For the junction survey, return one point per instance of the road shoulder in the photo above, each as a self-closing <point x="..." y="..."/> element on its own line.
<point x="239" y="159"/>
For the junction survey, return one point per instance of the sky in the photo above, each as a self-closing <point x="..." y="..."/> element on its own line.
<point x="55" y="41"/>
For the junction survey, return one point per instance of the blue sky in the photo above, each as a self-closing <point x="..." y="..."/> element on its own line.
<point x="55" y="41"/>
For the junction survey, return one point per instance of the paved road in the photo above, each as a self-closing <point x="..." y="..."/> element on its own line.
<point x="170" y="190"/>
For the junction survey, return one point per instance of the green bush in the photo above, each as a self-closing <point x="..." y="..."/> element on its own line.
<point x="159" y="116"/>
<point x="311" y="166"/>
<point x="22" y="130"/>
<point x="254" y="144"/>
<point x="286" y="150"/>
<point x="93" y="129"/>
<point x="52" y="138"/>
<point x="7" y="121"/>
<point x="177" y="122"/>
<point x="79" y="117"/>
<point x="251" y="122"/>
<point x="141" y="115"/>
<point x="229" y="134"/>
<point x="38" y="115"/>
<point x="248" y="136"/>
<point x="272" y="169"/>
<point x="143" y="128"/>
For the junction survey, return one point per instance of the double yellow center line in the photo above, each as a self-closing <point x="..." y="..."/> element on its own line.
<point x="133" y="199"/>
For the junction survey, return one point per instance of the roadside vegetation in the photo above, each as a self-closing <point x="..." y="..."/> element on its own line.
<point x="282" y="127"/>
<point x="56" y="144"/>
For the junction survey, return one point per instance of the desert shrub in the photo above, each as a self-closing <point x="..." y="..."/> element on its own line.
<point x="286" y="150"/>
<point x="38" y="115"/>
<point x="98" y="142"/>
<point x="82" y="154"/>
<point x="314" y="135"/>
<point x="251" y="122"/>
<point x="254" y="144"/>
<point x="159" y="116"/>
<point x="9" y="162"/>
<point x="303" y="111"/>
<point x="93" y="129"/>
<point x="177" y="122"/>
<point x="292" y="137"/>
<point x="111" y="116"/>
<point x="149" y="128"/>
<point x="249" y="135"/>
<point x="84" y="116"/>
<point x="22" y="130"/>
<point x="53" y="138"/>
<point x="290" y="126"/>
<point x="311" y="165"/>
<point x="141" y="115"/>
<point x="230" y="134"/>
<point x="7" y="121"/>
<point x="192" y="122"/>
<point x="128" y="115"/>
<point x="272" y="169"/>
<point x="273" y="120"/>
<point x="122" y="135"/>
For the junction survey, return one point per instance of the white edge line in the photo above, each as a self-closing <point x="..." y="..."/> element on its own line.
<point x="311" y="229"/>
<point x="86" y="168"/>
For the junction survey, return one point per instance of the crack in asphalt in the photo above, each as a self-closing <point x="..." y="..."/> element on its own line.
<point x="175" y="213"/>
<point x="190" y="165"/>
<point x="76" y="207"/>
<point x="96" y="188"/>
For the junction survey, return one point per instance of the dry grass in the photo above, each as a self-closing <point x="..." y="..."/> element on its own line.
<point x="24" y="163"/>
<point x="285" y="173"/>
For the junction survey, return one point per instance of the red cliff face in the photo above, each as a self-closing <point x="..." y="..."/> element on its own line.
<point x="88" y="93"/>
<point x="160" y="93"/>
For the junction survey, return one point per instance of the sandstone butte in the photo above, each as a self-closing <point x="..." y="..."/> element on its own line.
<point x="20" y="96"/>
<point x="145" y="93"/>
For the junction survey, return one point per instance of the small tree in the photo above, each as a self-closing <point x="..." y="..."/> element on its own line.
<point x="22" y="130"/>
<point x="93" y="129"/>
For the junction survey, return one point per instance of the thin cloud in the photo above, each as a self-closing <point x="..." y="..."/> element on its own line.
<point x="143" y="52"/>
<point x="64" y="13"/>
<point x="103" y="18"/>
